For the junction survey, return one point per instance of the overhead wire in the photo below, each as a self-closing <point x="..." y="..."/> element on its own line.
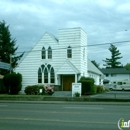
<point x="93" y="45"/>
<point x="125" y="30"/>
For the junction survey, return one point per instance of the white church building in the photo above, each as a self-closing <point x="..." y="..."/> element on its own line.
<point x="58" y="61"/>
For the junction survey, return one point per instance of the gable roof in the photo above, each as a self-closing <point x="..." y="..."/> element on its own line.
<point x="115" y="71"/>
<point x="68" y="68"/>
<point x="53" y="37"/>
<point x="92" y="68"/>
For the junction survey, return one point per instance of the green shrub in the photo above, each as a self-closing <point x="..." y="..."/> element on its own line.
<point x="28" y="90"/>
<point x="94" y="89"/>
<point x="77" y="94"/>
<point x="13" y="82"/>
<point x="41" y="87"/>
<point x="87" y="85"/>
<point x="106" y="90"/>
<point x="99" y="89"/>
<point x="2" y="87"/>
<point x="34" y="89"/>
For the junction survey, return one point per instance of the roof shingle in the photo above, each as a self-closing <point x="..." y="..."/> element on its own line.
<point x="115" y="71"/>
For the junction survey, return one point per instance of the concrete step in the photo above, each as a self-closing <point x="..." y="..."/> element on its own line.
<point x="62" y="94"/>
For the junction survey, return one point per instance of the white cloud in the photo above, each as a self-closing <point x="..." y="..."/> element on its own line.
<point x="106" y="3"/>
<point x="103" y="20"/>
<point x="124" y="8"/>
<point x="72" y="24"/>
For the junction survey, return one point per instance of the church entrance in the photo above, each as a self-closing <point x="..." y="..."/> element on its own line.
<point x="67" y="82"/>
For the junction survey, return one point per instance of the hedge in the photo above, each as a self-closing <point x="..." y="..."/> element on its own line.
<point x="12" y="82"/>
<point x="87" y="85"/>
<point x="34" y="89"/>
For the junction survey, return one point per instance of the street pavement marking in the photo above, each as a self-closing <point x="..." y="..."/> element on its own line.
<point x="95" y="108"/>
<point x="57" y="120"/>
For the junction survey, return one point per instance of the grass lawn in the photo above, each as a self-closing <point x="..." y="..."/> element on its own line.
<point x="23" y="96"/>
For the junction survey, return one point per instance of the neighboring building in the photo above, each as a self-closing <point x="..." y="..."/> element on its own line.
<point x="57" y="61"/>
<point x="114" y="74"/>
<point x="95" y="73"/>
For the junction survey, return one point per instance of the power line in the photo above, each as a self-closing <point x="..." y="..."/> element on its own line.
<point x="126" y="30"/>
<point x="108" y="43"/>
<point x="102" y="44"/>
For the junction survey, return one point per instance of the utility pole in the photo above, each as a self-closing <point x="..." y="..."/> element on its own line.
<point x="10" y="68"/>
<point x="10" y="63"/>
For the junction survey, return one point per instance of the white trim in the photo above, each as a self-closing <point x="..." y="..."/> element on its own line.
<point x="75" y="78"/>
<point x="70" y="67"/>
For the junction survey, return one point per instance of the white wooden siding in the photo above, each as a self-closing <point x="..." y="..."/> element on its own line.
<point x="75" y="38"/>
<point x="118" y="77"/>
<point x="30" y="64"/>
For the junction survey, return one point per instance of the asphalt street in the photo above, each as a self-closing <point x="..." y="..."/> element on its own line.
<point x="23" y="116"/>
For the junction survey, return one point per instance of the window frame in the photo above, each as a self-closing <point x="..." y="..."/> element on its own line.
<point x="46" y="75"/>
<point x="43" y="53"/>
<point x="49" y="53"/>
<point x="39" y="75"/>
<point x="69" y="52"/>
<point x="52" y="75"/>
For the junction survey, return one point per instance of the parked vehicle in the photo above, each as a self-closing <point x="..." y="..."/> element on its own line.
<point x="120" y="85"/>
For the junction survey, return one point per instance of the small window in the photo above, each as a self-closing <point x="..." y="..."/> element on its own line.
<point x="69" y="52"/>
<point x="49" y="53"/>
<point x="39" y="75"/>
<point x="107" y="75"/>
<point x="113" y="75"/>
<point x="43" y="53"/>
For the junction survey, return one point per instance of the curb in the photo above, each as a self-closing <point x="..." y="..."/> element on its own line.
<point x="68" y="103"/>
<point x="64" y="99"/>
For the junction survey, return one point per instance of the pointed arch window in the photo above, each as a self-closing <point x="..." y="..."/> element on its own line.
<point x="43" y="53"/>
<point x="39" y="75"/>
<point x="48" y="66"/>
<point x="42" y="66"/>
<point x="69" y="52"/>
<point x="52" y="75"/>
<point x="49" y="53"/>
<point x="45" y="75"/>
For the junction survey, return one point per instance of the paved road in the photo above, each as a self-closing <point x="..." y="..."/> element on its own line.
<point x="114" y="95"/>
<point x="20" y="116"/>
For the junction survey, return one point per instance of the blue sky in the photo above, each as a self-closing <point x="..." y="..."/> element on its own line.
<point x="104" y="21"/>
